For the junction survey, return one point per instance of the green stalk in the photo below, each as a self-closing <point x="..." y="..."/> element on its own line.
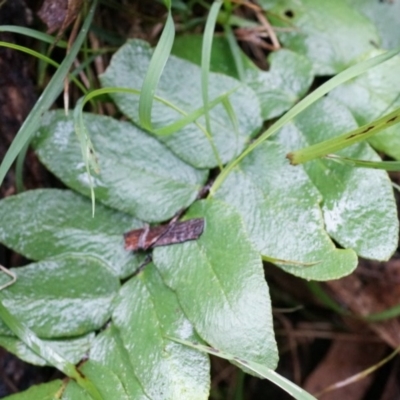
<point x="337" y="80"/>
<point x="154" y="71"/>
<point x="340" y="142"/>
<point x="49" y="95"/>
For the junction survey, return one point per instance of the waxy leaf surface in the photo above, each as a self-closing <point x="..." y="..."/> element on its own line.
<point x="180" y="84"/>
<point x="385" y="15"/>
<point x="331" y="34"/>
<point x="45" y="391"/>
<point x="74" y="392"/>
<point x="281" y="210"/>
<point x="138" y="175"/>
<point x="147" y="312"/>
<point x="66" y="296"/>
<point x="106" y="381"/>
<point x="287" y="81"/>
<point x="223" y="270"/>
<point x="47" y="222"/>
<point x="108" y="350"/>
<point x="188" y="47"/>
<point x="358" y="203"/>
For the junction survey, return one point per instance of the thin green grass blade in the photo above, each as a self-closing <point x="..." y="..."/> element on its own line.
<point x="340" y="142"/>
<point x="48" y="354"/>
<point x="189" y="118"/>
<point x="42" y="57"/>
<point x="231" y="114"/>
<point x="167" y="130"/>
<point x="52" y="91"/>
<point x="87" y="148"/>
<point x="206" y="57"/>
<point x="396" y="186"/>
<point x="361" y="375"/>
<point x="44" y="37"/>
<point x="325" y="299"/>
<point x="235" y="20"/>
<point x="235" y="50"/>
<point x="205" y="71"/>
<point x="22" y="154"/>
<point x="155" y="69"/>
<point x="19" y="169"/>
<point x="344" y="76"/>
<point x="385" y="165"/>
<point x="390" y="313"/>
<point x="295" y="391"/>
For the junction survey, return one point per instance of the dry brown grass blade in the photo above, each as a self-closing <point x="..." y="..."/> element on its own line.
<point x="361" y="375"/>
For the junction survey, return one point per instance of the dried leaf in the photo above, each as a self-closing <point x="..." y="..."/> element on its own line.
<point x="59" y="14"/>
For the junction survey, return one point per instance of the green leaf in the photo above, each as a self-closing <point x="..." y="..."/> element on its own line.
<point x="39" y="347"/>
<point x="372" y="95"/>
<point x="45" y="391"/>
<point x="44" y="37"/>
<point x="344" y="76"/>
<point x="155" y="69"/>
<point x="297" y="392"/>
<point x="73" y="350"/>
<point x="47" y="222"/>
<point x="385" y="15"/>
<point x="358" y="204"/>
<point x="330" y="33"/>
<point x="188" y="47"/>
<point x="107" y="383"/>
<point x="336" y="143"/>
<point x="146" y="312"/>
<point x="281" y="210"/>
<point x="287" y="81"/>
<point x="206" y="48"/>
<point x="109" y="351"/>
<point x="138" y="175"/>
<point x="66" y="296"/>
<point x="54" y="390"/>
<point x="385" y="165"/>
<point x="73" y="391"/>
<point x="219" y="281"/>
<point x="180" y="84"/>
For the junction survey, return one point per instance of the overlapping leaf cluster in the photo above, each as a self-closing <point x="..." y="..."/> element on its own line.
<point x="79" y="296"/>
